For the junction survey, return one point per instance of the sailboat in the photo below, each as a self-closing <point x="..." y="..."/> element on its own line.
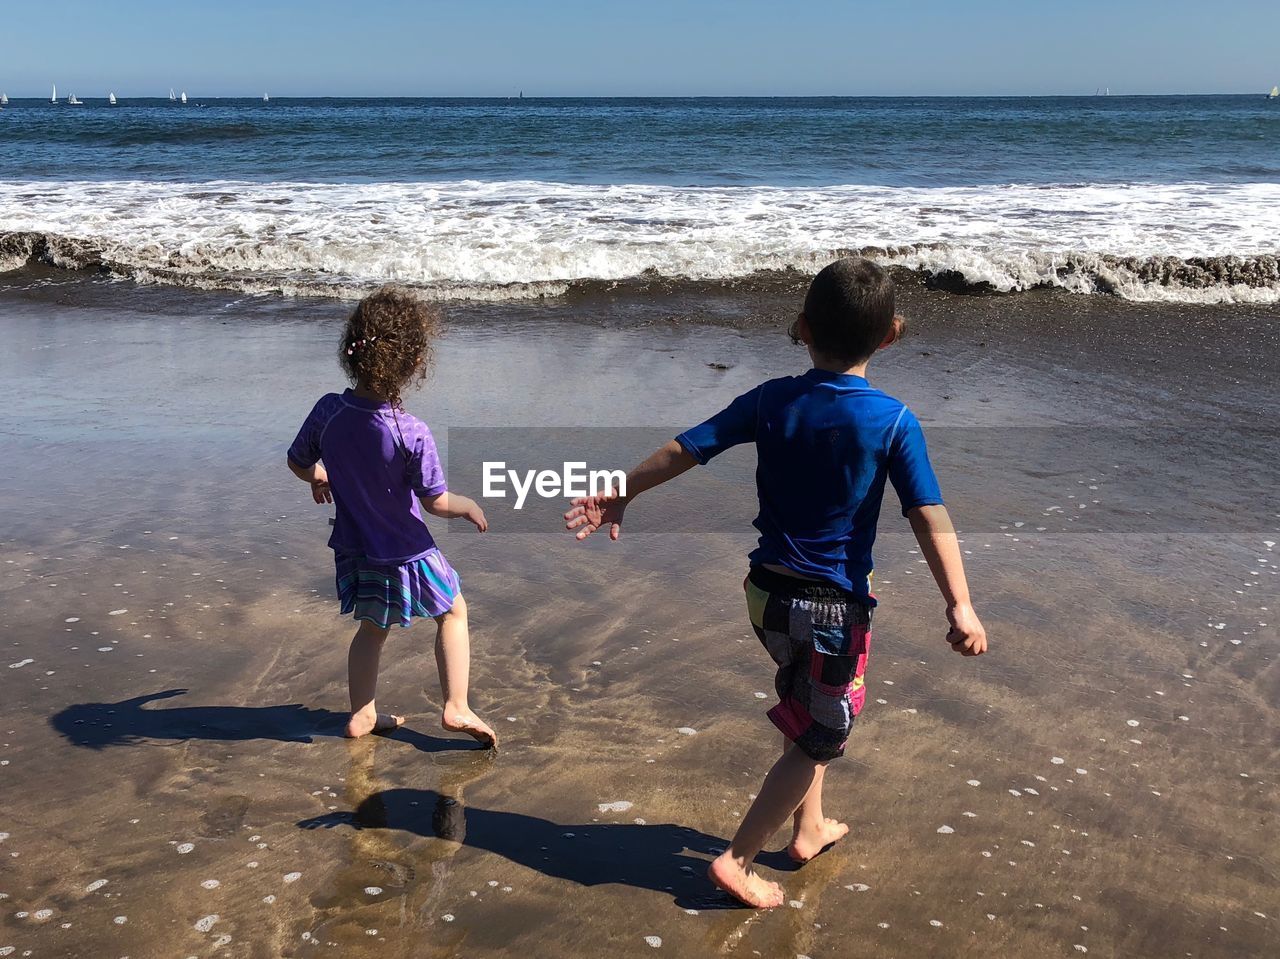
<point x="183" y="98"/>
<point x="54" y="98"/>
<point x="72" y="101"/>
<point x="111" y="99"/>
<point x="265" y="98"/>
<point x="4" y="99"/>
<point x="172" y="96"/>
<point x="1274" y="94"/>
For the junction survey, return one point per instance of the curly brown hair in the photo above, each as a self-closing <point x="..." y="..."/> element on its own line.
<point x="387" y="343"/>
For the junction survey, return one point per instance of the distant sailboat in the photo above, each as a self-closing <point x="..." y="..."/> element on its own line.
<point x="73" y="101"/>
<point x="183" y="98"/>
<point x="172" y="96"/>
<point x="4" y="99"/>
<point x="54" y="98"/>
<point x="111" y="98"/>
<point x="1274" y="94"/>
<point x="265" y="98"/>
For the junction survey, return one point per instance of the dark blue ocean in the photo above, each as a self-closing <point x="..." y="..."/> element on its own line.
<point x="517" y="197"/>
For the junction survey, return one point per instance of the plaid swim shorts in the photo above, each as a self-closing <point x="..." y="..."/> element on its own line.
<point x="819" y="636"/>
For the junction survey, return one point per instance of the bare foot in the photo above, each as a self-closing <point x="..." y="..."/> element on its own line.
<point x="367" y="721"/>
<point x="806" y="843"/>
<point x="465" y="721"/>
<point x="743" y="884"/>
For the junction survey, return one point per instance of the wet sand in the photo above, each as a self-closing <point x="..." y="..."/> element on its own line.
<point x="173" y="775"/>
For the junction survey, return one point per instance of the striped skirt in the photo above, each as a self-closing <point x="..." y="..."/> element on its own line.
<point x="390" y="595"/>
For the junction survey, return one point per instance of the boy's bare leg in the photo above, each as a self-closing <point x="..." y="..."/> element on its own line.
<point x="813" y="831"/>
<point x="362" y="678"/>
<point x="786" y="786"/>
<point x="453" y="660"/>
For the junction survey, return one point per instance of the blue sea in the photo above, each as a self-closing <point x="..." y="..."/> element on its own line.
<point x="1149" y="198"/>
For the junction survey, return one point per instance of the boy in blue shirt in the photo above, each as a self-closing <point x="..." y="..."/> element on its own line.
<point x="826" y="443"/>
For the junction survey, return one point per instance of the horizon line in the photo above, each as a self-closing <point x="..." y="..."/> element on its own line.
<point x="662" y="96"/>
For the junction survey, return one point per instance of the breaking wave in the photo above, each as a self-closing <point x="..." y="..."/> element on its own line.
<point x="1208" y="243"/>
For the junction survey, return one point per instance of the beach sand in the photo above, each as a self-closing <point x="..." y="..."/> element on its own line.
<point x="173" y="688"/>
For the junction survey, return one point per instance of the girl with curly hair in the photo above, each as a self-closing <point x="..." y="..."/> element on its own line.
<point x="381" y="469"/>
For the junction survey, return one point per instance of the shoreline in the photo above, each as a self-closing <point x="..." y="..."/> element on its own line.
<point x="150" y="481"/>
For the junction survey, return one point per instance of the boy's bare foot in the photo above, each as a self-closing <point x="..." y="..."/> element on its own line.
<point x="743" y="884"/>
<point x="465" y="721"/>
<point x="367" y="721"/>
<point x="807" y="843"/>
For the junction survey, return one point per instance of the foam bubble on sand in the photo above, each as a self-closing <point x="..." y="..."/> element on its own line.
<point x="969" y="815"/>
<point x="205" y="923"/>
<point x="72" y="619"/>
<point x="492" y="882"/>
<point x="6" y="950"/>
<point x="21" y="663"/>
<point x="185" y="848"/>
<point x="377" y="890"/>
<point x="687" y="731"/>
<point x="858" y="887"/>
<point x="268" y="899"/>
<point x="117" y="612"/>
<point x="796" y="904"/>
<point x="221" y="941"/>
<point x="1029" y="791"/>
<point x="761" y="695"/>
<point x="883" y="925"/>
<point x="448" y="917"/>
<point x="1057" y="760"/>
<point x="210" y="884"/>
<point x="1132" y="722"/>
<point x="105" y="649"/>
<point x="653" y="942"/>
<point x="1080" y="948"/>
<point x="95" y="885"/>
<point x="974" y="782"/>
<point x="292" y="876"/>
<point x="620" y="805"/>
<point x="935" y="923"/>
<point x="1014" y="792"/>
<point x="120" y="920"/>
<point x="945" y="830"/>
<point x="40" y="915"/>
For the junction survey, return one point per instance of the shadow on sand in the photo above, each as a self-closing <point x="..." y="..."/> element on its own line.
<point x="128" y="723"/>
<point x="655" y="857"/>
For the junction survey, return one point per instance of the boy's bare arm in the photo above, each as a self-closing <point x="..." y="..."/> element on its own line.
<point x="941" y="549"/>
<point x="589" y="513"/>
<point x="454" y="505"/>
<point x="317" y="477"/>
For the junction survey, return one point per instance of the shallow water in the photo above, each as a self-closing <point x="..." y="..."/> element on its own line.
<point x="175" y="672"/>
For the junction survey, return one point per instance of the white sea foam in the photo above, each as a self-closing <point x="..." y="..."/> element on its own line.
<point x="513" y="239"/>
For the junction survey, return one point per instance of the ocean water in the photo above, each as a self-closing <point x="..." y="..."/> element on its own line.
<point x="1149" y="198"/>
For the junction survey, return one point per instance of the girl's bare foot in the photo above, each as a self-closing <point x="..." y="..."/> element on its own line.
<point x="807" y="843"/>
<point x="743" y="884"/>
<point x="368" y="721"/>
<point x="465" y="721"/>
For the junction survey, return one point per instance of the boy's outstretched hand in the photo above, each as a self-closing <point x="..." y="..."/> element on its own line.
<point x="966" y="636"/>
<point x="589" y="513"/>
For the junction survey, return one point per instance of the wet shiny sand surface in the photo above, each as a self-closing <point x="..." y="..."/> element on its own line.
<point x="173" y="775"/>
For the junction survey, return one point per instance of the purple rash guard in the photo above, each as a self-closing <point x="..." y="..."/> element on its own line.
<point x="379" y="462"/>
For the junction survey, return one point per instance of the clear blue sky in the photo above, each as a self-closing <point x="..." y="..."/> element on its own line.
<point x="644" y="47"/>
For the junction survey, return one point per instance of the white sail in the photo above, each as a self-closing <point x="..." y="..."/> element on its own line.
<point x="172" y="95"/>
<point x="265" y="98"/>
<point x="54" y="98"/>
<point x="183" y="98"/>
<point x="4" y="99"/>
<point x="1275" y="93"/>
<point x="74" y="101"/>
<point x="111" y="98"/>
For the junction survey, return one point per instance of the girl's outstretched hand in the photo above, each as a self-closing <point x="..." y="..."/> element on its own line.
<point x="475" y="516"/>
<point x="589" y="513"/>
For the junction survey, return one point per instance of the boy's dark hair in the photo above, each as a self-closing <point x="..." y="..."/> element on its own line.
<point x="386" y="345"/>
<point x="849" y="309"/>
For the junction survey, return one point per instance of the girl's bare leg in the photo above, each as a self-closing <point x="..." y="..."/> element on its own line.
<point x="453" y="660"/>
<point x="813" y="832"/>
<point x="362" y="678"/>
